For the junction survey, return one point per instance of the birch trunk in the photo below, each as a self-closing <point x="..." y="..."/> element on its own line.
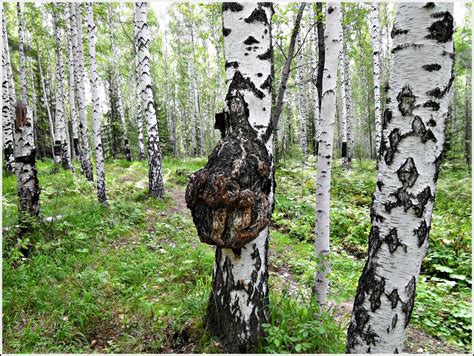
<point x="344" y="102"/>
<point x="60" y="120"/>
<point x="141" y="145"/>
<point x="21" y="44"/>
<point x="155" y="175"/>
<point x="116" y="86"/>
<point x="314" y="79"/>
<point x="8" y="101"/>
<point x="192" y="104"/>
<point x="332" y="39"/>
<point x="408" y="166"/>
<point x="376" y="56"/>
<point x="302" y="101"/>
<point x="80" y="78"/>
<point x="72" y="99"/>
<point x="321" y="63"/>
<point x="238" y="305"/>
<point x="467" y="118"/>
<point x="96" y="126"/>
<point x="195" y="94"/>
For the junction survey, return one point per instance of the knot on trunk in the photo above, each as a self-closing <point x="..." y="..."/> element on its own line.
<point x="228" y="198"/>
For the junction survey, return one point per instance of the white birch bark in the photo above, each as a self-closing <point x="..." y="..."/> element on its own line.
<point x="60" y="120"/>
<point x="8" y="100"/>
<point x="332" y="40"/>
<point x="141" y="145"/>
<point x="155" y="175"/>
<point x="96" y="125"/>
<point x="21" y="44"/>
<point x="302" y="100"/>
<point x="408" y="166"/>
<point x="169" y="108"/>
<point x="240" y="278"/>
<point x="376" y="57"/>
<point x="72" y="99"/>
<point x="80" y="78"/>
<point x="344" y="90"/>
<point x="314" y="67"/>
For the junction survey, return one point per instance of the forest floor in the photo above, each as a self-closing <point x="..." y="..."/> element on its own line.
<point x="133" y="277"/>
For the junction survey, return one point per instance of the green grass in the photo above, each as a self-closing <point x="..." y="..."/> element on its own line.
<point x="134" y="277"/>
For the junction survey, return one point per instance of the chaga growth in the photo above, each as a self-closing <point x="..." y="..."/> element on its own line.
<point x="228" y="198"/>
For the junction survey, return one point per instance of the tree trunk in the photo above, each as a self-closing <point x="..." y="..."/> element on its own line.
<point x="23" y="82"/>
<point x="328" y="116"/>
<point x="302" y="101"/>
<point x="238" y="305"/>
<point x="344" y="117"/>
<point x="80" y="78"/>
<point x="314" y="79"/>
<point x="155" y="176"/>
<point x="8" y="101"/>
<point x="96" y="115"/>
<point x="376" y="54"/>
<point x="321" y="64"/>
<point x="72" y="99"/>
<point x="193" y="105"/>
<point x="60" y="121"/>
<point x="141" y="145"/>
<point x="408" y="167"/>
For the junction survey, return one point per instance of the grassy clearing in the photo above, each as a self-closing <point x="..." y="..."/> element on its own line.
<point x="134" y="278"/>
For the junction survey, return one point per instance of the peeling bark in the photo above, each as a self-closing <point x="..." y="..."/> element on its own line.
<point x="332" y="39"/>
<point x="376" y="56"/>
<point x="155" y="176"/>
<point x="408" y="165"/>
<point x="96" y="126"/>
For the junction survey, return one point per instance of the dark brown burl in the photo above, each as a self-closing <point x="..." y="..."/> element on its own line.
<point x="228" y="198"/>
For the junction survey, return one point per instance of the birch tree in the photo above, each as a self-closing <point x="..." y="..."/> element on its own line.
<point x="314" y="79"/>
<point x="344" y="72"/>
<point x="21" y="50"/>
<point x="61" y="144"/>
<point x="141" y="145"/>
<point x="376" y="56"/>
<point x="333" y="49"/>
<point x="79" y="79"/>
<point x="238" y="306"/>
<point x="96" y="126"/>
<point x="302" y="100"/>
<point x="8" y="100"/>
<point x="169" y="107"/>
<point x="155" y="175"/>
<point x="408" y="166"/>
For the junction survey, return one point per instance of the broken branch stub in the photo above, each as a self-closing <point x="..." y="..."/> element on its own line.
<point x="228" y="198"/>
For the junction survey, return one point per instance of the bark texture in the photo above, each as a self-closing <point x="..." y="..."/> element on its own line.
<point x="96" y="126"/>
<point x="80" y="78"/>
<point x="408" y="166"/>
<point x="314" y="79"/>
<point x="21" y="49"/>
<point x="238" y="305"/>
<point x="376" y="56"/>
<point x="332" y="39"/>
<point x="8" y="100"/>
<point x="302" y="100"/>
<point x="25" y="167"/>
<point x="155" y="175"/>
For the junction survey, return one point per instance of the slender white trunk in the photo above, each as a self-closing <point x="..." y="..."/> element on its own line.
<point x="138" y="98"/>
<point x="80" y="78"/>
<point x="239" y="301"/>
<point x="376" y="56"/>
<point x="96" y="114"/>
<point x="155" y="175"/>
<point x="60" y="120"/>
<point x="21" y="44"/>
<point x="344" y="91"/>
<point x="314" y="67"/>
<point x="332" y="40"/>
<point x="192" y="104"/>
<point x="72" y="99"/>
<point x="8" y="100"/>
<point x="408" y="166"/>
<point x="302" y="102"/>
<point x="347" y="94"/>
